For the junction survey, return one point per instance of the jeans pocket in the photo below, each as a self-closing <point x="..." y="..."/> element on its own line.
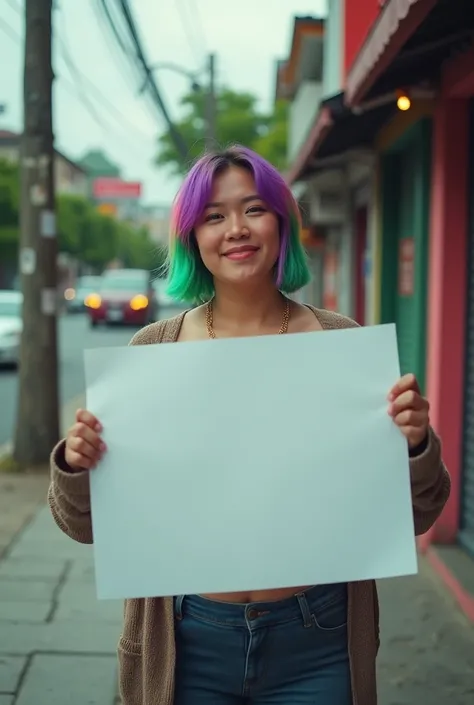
<point x="332" y="615"/>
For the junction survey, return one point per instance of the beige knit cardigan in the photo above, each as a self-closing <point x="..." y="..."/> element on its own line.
<point x="146" y="649"/>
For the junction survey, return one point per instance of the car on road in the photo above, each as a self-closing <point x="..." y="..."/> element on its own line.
<point x="75" y="297"/>
<point x="124" y="297"/>
<point x="11" y="325"/>
<point x="165" y="303"/>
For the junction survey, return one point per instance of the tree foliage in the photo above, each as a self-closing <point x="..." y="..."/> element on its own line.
<point x="239" y="119"/>
<point x="9" y="203"/>
<point x="90" y="237"/>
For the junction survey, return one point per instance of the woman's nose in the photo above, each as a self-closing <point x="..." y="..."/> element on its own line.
<point x="237" y="229"/>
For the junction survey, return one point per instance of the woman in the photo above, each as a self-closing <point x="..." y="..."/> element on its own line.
<point x="235" y="248"/>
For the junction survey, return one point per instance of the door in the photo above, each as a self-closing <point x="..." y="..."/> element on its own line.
<point x="405" y="217"/>
<point x="360" y="263"/>
<point x="466" y="534"/>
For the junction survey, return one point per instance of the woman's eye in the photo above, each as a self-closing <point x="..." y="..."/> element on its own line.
<point x="212" y="216"/>
<point x="256" y="209"/>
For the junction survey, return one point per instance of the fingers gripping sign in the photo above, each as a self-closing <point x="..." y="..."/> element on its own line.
<point x="409" y="410"/>
<point x="84" y="445"/>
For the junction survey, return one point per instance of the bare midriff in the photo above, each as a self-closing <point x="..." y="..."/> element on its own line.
<point x="256" y="595"/>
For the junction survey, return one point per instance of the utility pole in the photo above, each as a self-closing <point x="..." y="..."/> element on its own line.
<point x="37" y="427"/>
<point x="211" y="105"/>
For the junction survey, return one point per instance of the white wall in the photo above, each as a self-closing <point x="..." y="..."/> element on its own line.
<point x="332" y="53"/>
<point x="303" y="110"/>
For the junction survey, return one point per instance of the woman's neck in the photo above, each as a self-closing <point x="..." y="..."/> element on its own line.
<point x="253" y="309"/>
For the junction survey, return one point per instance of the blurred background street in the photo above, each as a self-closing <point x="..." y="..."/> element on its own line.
<point x="366" y="107"/>
<point x="74" y="336"/>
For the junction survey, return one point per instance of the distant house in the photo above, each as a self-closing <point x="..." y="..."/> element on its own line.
<point x="156" y="219"/>
<point x="70" y="177"/>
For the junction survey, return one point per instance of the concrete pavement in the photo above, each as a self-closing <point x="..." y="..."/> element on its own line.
<point x="58" y="642"/>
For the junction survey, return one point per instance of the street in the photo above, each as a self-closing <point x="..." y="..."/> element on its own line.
<point x="74" y="336"/>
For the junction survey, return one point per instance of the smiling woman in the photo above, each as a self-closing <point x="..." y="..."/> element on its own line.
<point x="235" y="247"/>
<point x="235" y="188"/>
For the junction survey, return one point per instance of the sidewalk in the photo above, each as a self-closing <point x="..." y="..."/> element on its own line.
<point x="58" y="643"/>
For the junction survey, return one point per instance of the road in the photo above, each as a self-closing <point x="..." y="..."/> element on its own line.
<point x="75" y="336"/>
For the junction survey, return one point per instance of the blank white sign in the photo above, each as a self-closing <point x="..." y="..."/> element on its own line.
<point x="250" y="463"/>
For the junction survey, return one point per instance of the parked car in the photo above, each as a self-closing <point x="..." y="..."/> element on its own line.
<point x="75" y="297"/>
<point x="124" y="297"/>
<point x="165" y="303"/>
<point x="11" y="325"/>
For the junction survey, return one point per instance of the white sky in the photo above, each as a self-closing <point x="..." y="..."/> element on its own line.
<point x="247" y="37"/>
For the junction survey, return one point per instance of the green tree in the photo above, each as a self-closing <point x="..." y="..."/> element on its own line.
<point x="91" y="237"/>
<point x="9" y="207"/>
<point x="239" y="119"/>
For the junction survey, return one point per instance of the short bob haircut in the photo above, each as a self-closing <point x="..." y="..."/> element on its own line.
<point x="188" y="278"/>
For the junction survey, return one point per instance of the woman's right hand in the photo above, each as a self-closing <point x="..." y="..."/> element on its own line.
<point x="84" y="446"/>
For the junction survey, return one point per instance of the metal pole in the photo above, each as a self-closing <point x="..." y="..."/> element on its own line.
<point x="37" y="428"/>
<point x="211" y="105"/>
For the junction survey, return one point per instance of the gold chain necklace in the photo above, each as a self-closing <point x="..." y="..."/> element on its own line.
<point x="283" y="327"/>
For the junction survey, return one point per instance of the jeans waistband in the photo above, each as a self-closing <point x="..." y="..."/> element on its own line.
<point x="260" y="614"/>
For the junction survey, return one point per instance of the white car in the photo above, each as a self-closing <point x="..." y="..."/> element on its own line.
<point x="11" y="325"/>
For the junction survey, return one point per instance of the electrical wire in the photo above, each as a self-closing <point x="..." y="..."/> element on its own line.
<point x="150" y="81"/>
<point x="189" y="24"/>
<point x="72" y="88"/>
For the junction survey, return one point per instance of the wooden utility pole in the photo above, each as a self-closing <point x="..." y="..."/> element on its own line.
<point x="37" y="428"/>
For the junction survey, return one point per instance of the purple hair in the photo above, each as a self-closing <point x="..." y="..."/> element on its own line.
<point x="190" y="203"/>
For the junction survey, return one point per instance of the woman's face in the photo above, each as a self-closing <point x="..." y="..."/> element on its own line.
<point x="237" y="235"/>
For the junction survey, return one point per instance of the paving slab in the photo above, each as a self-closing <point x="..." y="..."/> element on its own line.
<point x="34" y="569"/>
<point x="427" y="652"/>
<point x="43" y="538"/>
<point x="11" y="668"/>
<point x="12" y="611"/>
<point x="77" y="680"/>
<point x="9" y="699"/>
<point x="26" y="591"/>
<point x="20" y="497"/>
<point x="82" y="637"/>
<point x="82" y="571"/>
<point x="78" y="601"/>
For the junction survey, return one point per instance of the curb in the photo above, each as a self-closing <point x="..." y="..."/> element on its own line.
<point x="67" y="413"/>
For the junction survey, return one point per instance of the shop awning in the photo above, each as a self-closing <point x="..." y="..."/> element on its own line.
<point x="397" y="21"/>
<point x="337" y="129"/>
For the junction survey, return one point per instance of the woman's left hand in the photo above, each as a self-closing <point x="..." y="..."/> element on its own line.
<point x="410" y="410"/>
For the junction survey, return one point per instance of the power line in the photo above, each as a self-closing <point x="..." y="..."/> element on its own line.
<point x="151" y="83"/>
<point x="72" y="87"/>
<point x="9" y="31"/>
<point x="189" y="28"/>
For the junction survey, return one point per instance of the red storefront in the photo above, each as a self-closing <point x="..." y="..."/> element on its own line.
<point x="412" y="44"/>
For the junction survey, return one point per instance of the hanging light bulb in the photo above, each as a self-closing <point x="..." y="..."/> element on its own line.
<point x="403" y="101"/>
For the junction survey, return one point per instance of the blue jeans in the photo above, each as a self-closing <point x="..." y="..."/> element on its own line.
<point x="290" y="652"/>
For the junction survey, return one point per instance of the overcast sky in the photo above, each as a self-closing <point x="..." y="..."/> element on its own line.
<point x="100" y="106"/>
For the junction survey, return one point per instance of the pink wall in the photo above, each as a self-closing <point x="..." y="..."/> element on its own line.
<point x="359" y="15"/>
<point x="447" y="294"/>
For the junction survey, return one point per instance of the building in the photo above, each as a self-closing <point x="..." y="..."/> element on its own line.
<point x="70" y="177"/>
<point x="427" y="50"/>
<point x="156" y="219"/>
<point x="397" y="109"/>
<point x="332" y="167"/>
